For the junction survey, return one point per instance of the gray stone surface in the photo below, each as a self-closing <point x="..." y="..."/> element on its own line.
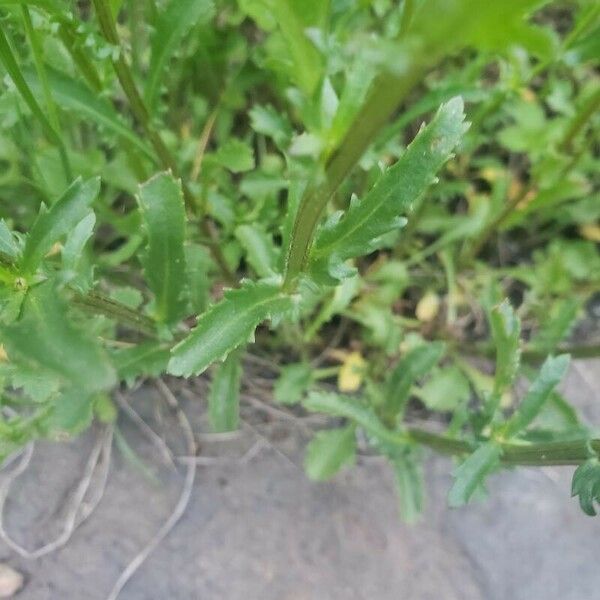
<point x="261" y="531"/>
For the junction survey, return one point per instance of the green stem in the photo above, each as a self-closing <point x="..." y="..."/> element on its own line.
<point x="386" y="95"/>
<point x="589" y="108"/>
<point x="39" y="67"/>
<point x="142" y="116"/>
<point x="97" y="303"/>
<point x="513" y="454"/>
<point x="9" y="61"/>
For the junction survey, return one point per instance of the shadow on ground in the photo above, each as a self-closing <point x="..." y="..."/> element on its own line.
<point x="261" y="531"/>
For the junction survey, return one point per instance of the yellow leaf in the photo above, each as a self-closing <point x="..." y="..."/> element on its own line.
<point x="3" y="355"/>
<point x="351" y="372"/>
<point x="428" y="307"/>
<point x="590" y="232"/>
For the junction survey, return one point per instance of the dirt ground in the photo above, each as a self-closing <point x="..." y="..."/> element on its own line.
<point x="258" y="530"/>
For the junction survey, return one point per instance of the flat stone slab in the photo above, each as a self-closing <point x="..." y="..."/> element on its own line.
<point x="261" y="531"/>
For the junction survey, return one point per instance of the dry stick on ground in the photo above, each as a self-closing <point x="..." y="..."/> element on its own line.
<point x="77" y="511"/>
<point x="154" y="438"/>
<point x="182" y="503"/>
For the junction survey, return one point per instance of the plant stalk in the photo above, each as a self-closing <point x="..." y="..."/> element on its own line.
<point x="142" y="116"/>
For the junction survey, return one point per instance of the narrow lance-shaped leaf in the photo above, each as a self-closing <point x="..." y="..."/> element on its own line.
<point x="163" y="217"/>
<point x="415" y="364"/>
<point x="227" y="325"/>
<point x="73" y="96"/>
<point x="409" y="486"/>
<point x="350" y="408"/>
<point x="506" y="331"/>
<point x="171" y="26"/>
<point x="148" y="359"/>
<point x="57" y="221"/>
<point x="472" y="473"/>
<point x="361" y="228"/>
<point x="329" y="451"/>
<point x="551" y="373"/>
<point x="259" y="247"/>
<point x="224" y="396"/>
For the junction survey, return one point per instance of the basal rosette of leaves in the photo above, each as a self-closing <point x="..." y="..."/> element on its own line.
<point x="397" y="213"/>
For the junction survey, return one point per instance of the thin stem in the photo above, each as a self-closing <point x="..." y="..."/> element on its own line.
<point x="142" y="116"/>
<point x="533" y="454"/>
<point x="589" y="108"/>
<point x="9" y="61"/>
<point x="40" y="68"/>
<point x="98" y="303"/>
<point x="386" y="95"/>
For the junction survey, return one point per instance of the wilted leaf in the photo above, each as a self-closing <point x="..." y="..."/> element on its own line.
<point x="351" y="372"/>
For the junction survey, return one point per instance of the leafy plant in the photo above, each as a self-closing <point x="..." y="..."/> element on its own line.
<point x="185" y="185"/>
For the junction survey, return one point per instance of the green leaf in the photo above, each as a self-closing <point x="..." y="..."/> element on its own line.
<point x="294" y="380"/>
<point x="360" y="230"/>
<point x="329" y="451"/>
<point x="170" y="28"/>
<point x="197" y="262"/>
<point x="471" y="474"/>
<point x="44" y="338"/>
<point x="8" y="246"/>
<point x="235" y="155"/>
<point x="506" y="332"/>
<point x="446" y="390"/>
<point x="148" y="359"/>
<point x="557" y="325"/>
<point x="224" y="396"/>
<point x="163" y="217"/>
<point x="586" y="485"/>
<point x="408" y="477"/>
<point x="266" y="120"/>
<point x="73" y="257"/>
<point x="350" y="408"/>
<point x="75" y="97"/>
<point x="418" y="362"/>
<point x="259" y="247"/>
<point x="551" y="373"/>
<point x="57" y="221"/>
<point x="226" y="326"/>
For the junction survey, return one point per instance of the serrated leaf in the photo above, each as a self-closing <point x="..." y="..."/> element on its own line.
<point x="329" y="451"/>
<point x="418" y="362"/>
<point x="408" y="477"/>
<point x="163" y="217"/>
<point x="170" y="28"/>
<point x="557" y="326"/>
<point x="260" y="248"/>
<point x="224" y="395"/>
<point x="360" y="229"/>
<point x="148" y="359"/>
<point x="227" y="325"/>
<point x="57" y="221"/>
<point x="586" y="485"/>
<point x="350" y="408"/>
<point x="472" y="472"/>
<point x="551" y="373"/>
<point x="294" y="380"/>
